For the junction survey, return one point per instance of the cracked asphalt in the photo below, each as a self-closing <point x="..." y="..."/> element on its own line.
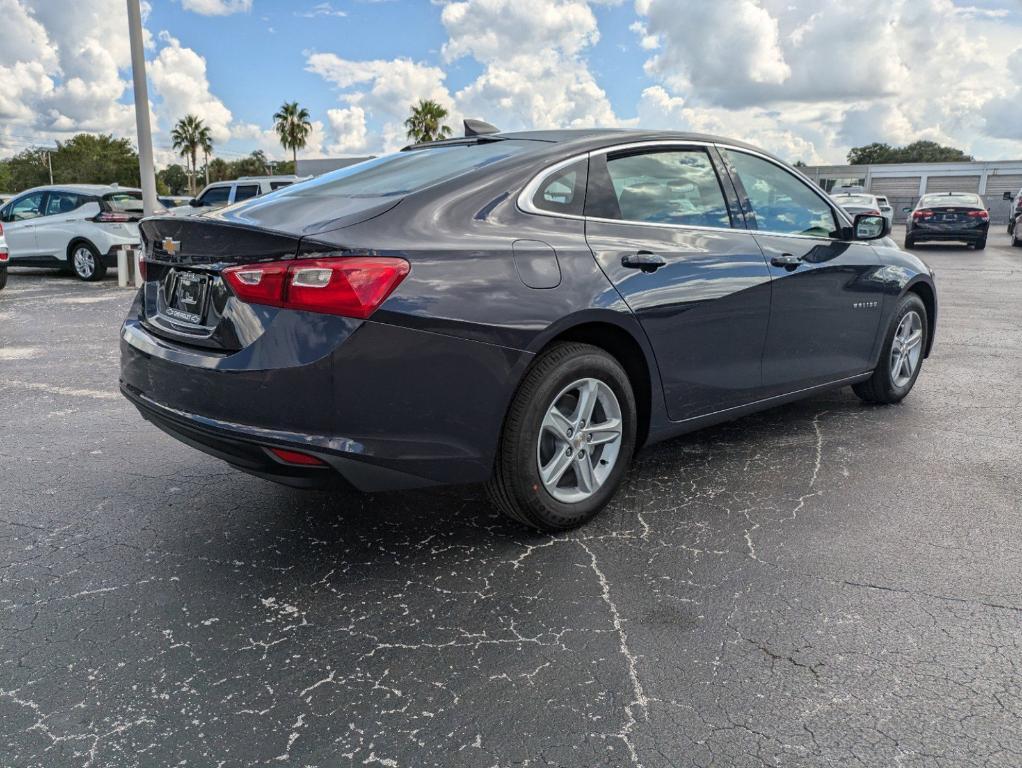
<point x="823" y="584"/>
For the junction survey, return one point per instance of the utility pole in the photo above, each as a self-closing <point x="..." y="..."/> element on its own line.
<point x="145" y="135"/>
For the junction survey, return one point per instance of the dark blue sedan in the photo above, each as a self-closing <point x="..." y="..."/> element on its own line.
<point x="523" y="310"/>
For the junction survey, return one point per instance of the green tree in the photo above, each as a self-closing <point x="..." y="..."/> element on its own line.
<point x="185" y="138"/>
<point x="84" y="159"/>
<point x="916" y="152"/>
<point x="206" y="145"/>
<point x="426" y="123"/>
<point x="174" y="178"/>
<point x="219" y="170"/>
<point x="293" y="127"/>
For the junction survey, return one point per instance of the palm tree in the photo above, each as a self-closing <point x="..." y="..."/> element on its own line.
<point x="206" y="145"/>
<point x="292" y="125"/>
<point x="186" y="140"/>
<point x="426" y="122"/>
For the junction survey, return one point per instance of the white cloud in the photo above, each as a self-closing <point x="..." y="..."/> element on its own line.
<point x="321" y="9"/>
<point x="217" y="7"/>
<point x="178" y="75"/>
<point x="349" y="129"/>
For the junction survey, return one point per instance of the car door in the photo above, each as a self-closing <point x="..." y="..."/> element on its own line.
<point x="660" y="224"/>
<point x="58" y="223"/>
<point x="826" y="302"/>
<point x="19" y="222"/>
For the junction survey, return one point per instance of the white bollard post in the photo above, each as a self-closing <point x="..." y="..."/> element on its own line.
<point x="122" y="267"/>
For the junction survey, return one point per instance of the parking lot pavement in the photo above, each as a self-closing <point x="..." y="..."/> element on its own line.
<point x="823" y="584"/>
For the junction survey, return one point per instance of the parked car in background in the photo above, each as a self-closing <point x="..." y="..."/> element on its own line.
<point x="223" y="193"/>
<point x="77" y="227"/>
<point x="523" y="310"/>
<point x="4" y="256"/>
<point x="173" y="201"/>
<point x="1015" y="210"/>
<point x="948" y="216"/>
<point x="863" y="202"/>
<point x="1016" y="230"/>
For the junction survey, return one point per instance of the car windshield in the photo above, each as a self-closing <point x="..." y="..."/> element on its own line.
<point x="951" y="199"/>
<point x="124" y="200"/>
<point x="854" y="200"/>
<point x="402" y="173"/>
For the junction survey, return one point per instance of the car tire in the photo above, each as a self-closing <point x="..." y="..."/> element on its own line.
<point x="84" y="262"/>
<point x="979" y="245"/>
<point x="891" y="381"/>
<point x="1015" y="241"/>
<point x="910" y="243"/>
<point x="1011" y="228"/>
<point x="535" y="438"/>
<point x="3" y="278"/>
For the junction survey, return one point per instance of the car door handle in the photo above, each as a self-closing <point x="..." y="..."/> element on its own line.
<point x="787" y="260"/>
<point x="647" y="261"/>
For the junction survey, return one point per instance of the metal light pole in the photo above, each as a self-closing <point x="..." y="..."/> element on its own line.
<point x="145" y="134"/>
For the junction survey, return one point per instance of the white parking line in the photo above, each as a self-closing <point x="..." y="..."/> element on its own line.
<point x="52" y="389"/>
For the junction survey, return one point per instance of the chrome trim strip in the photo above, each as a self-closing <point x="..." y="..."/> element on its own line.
<point x="526" y="195"/>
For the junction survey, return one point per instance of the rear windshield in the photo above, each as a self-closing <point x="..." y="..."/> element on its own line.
<point x="122" y="201"/>
<point x="962" y="199"/>
<point x="402" y="173"/>
<point x="854" y="200"/>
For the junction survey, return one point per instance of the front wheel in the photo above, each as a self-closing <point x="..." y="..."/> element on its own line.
<point x="902" y="355"/>
<point x="85" y="262"/>
<point x="568" y="439"/>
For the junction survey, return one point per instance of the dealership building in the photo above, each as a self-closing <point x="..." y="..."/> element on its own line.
<point x="904" y="183"/>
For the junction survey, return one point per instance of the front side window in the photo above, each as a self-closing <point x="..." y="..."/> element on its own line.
<point x="780" y="201"/>
<point x="245" y="191"/>
<point x="27" y="207"/>
<point x="61" y="202"/>
<point x="215" y="195"/>
<point x="564" y="190"/>
<point x="676" y="186"/>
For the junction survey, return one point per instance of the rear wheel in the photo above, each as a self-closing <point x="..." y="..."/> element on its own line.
<point x="3" y="277"/>
<point x="902" y="355"/>
<point x="1015" y="240"/>
<point x="84" y="261"/>
<point x="909" y="242"/>
<point x="568" y="439"/>
<point x="979" y="245"/>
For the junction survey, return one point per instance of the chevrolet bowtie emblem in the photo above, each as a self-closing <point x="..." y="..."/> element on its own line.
<point x="171" y="246"/>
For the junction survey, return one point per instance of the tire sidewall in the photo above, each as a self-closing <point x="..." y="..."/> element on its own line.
<point x="532" y="492"/>
<point x="909" y="302"/>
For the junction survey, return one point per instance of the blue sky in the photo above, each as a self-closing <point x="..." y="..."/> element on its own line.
<point x="804" y="78"/>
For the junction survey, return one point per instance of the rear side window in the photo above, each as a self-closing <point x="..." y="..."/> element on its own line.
<point x="402" y="173"/>
<point x="669" y="186"/>
<point x="780" y="201"/>
<point x="564" y="190"/>
<point x="62" y="202"/>
<point x="245" y="191"/>
<point x="274" y="185"/>
<point x="215" y="195"/>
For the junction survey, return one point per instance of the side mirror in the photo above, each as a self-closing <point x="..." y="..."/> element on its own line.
<point x="869" y="226"/>
<point x="195" y="202"/>
<point x="1008" y="196"/>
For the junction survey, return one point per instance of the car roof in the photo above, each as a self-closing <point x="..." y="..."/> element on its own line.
<point x="83" y="188"/>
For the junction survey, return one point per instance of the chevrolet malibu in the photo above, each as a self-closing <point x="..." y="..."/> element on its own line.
<point x="524" y="310"/>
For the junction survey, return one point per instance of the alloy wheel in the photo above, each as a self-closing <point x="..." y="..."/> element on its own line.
<point x="579" y="440"/>
<point x="84" y="262"/>
<point x="906" y="349"/>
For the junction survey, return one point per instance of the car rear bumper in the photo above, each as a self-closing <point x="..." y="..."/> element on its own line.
<point x="922" y="232"/>
<point x="384" y="406"/>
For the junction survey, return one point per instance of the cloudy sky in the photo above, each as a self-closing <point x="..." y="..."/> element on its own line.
<point x="805" y="78"/>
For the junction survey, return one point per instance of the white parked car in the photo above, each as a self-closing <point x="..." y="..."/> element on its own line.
<point x="863" y="202"/>
<point x="223" y="193"/>
<point x="4" y="256"/>
<point x="79" y="227"/>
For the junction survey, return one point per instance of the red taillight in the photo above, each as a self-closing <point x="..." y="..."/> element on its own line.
<point x="108" y="217"/>
<point x="923" y="214"/>
<point x="352" y="286"/>
<point x="979" y="215"/>
<point x="296" y="457"/>
<point x="142" y="268"/>
<point x="4" y="255"/>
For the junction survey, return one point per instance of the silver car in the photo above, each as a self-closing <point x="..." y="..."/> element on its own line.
<point x="862" y="202"/>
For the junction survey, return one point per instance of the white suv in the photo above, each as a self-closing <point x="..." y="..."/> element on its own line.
<point x="223" y="193"/>
<point x="79" y="227"/>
